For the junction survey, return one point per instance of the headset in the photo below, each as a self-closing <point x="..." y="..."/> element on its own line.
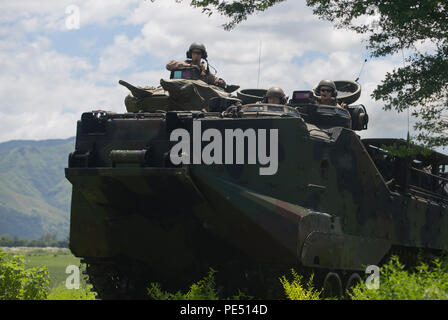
<point x="204" y="54"/>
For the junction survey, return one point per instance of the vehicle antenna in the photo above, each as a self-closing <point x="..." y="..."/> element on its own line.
<point x="362" y="67"/>
<point x="259" y="64"/>
<point x="407" y="107"/>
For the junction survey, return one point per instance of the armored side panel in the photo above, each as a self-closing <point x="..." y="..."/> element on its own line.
<point x="276" y="191"/>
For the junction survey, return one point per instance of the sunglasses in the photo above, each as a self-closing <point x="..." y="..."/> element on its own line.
<point x="326" y="90"/>
<point x="197" y="52"/>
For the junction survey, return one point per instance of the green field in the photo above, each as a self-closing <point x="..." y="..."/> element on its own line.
<point x="56" y="263"/>
<point x="426" y="281"/>
<point x="56" y="260"/>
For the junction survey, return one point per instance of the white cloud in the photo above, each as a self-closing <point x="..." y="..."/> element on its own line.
<point x="36" y="16"/>
<point x="41" y="95"/>
<point x="43" y="91"/>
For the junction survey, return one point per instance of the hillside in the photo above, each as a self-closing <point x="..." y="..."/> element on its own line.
<point x="34" y="194"/>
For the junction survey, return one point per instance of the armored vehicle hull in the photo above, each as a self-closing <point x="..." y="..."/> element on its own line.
<point x="330" y="203"/>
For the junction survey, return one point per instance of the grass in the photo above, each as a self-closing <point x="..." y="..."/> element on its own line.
<point x="56" y="261"/>
<point x="62" y="293"/>
<point x="204" y="289"/>
<point x="427" y="281"/>
<point x="296" y="290"/>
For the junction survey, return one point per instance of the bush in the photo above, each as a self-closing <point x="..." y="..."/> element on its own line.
<point x="296" y="291"/>
<point x="18" y="283"/>
<point x="202" y="290"/>
<point x="424" y="283"/>
<point x="62" y="293"/>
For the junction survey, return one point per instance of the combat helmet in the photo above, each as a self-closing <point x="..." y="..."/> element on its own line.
<point x="328" y="83"/>
<point x="199" y="46"/>
<point x="275" y="92"/>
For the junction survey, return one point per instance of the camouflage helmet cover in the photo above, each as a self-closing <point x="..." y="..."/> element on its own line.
<point x="275" y="92"/>
<point x="199" y="46"/>
<point x="328" y="83"/>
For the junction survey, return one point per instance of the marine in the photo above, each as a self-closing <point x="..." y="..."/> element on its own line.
<point x="195" y="54"/>
<point x="326" y="92"/>
<point x="275" y="95"/>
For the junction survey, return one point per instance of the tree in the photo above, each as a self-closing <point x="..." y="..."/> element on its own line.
<point x="392" y="27"/>
<point x="18" y="282"/>
<point x="237" y="11"/>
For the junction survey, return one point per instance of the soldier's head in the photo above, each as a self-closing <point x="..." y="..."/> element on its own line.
<point x="326" y="89"/>
<point x="196" y="52"/>
<point x="275" y="95"/>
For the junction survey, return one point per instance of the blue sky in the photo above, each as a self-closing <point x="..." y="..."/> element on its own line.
<point x="51" y="74"/>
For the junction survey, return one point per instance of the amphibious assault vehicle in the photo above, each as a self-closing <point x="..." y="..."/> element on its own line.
<point x="247" y="188"/>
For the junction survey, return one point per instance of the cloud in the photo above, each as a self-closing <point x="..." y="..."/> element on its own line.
<point x="41" y="94"/>
<point x="43" y="91"/>
<point x="37" y="16"/>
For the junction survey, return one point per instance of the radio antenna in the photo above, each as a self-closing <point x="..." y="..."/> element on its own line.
<point x="408" y="137"/>
<point x="259" y="64"/>
<point x="364" y="63"/>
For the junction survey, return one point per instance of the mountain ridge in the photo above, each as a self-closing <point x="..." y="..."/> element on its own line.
<point x="34" y="193"/>
<point x="10" y="144"/>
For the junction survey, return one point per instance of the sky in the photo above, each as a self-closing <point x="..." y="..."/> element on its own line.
<point x="61" y="58"/>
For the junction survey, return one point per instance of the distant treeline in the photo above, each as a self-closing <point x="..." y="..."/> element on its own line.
<point x="46" y="240"/>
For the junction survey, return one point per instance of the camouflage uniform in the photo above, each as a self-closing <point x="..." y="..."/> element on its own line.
<point x="205" y="76"/>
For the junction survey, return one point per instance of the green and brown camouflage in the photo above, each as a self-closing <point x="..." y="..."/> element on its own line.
<point x="172" y="94"/>
<point x="336" y="203"/>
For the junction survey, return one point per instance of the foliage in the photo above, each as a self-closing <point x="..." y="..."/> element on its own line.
<point x="204" y="289"/>
<point x="56" y="262"/>
<point x="296" y="291"/>
<point x="46" y="240"/>
<point x="403" y="151"/>
<point x="20" y="283"/>
<point x="62" y="293"/>
<point x="419" y="26"/>
<point x="237" y="11"/>
<point x="427" y="282"/>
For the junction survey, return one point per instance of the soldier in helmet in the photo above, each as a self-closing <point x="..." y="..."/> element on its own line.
<point x="275" y="95"/>
<point x="326" y="92"/>
<point x="195" y="54"/>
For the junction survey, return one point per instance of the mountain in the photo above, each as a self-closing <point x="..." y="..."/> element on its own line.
<point x="34" y="193"/>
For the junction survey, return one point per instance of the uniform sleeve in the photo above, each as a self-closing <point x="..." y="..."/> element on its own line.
<point x="176" y="65"/>
<point x="211" y="79"/>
